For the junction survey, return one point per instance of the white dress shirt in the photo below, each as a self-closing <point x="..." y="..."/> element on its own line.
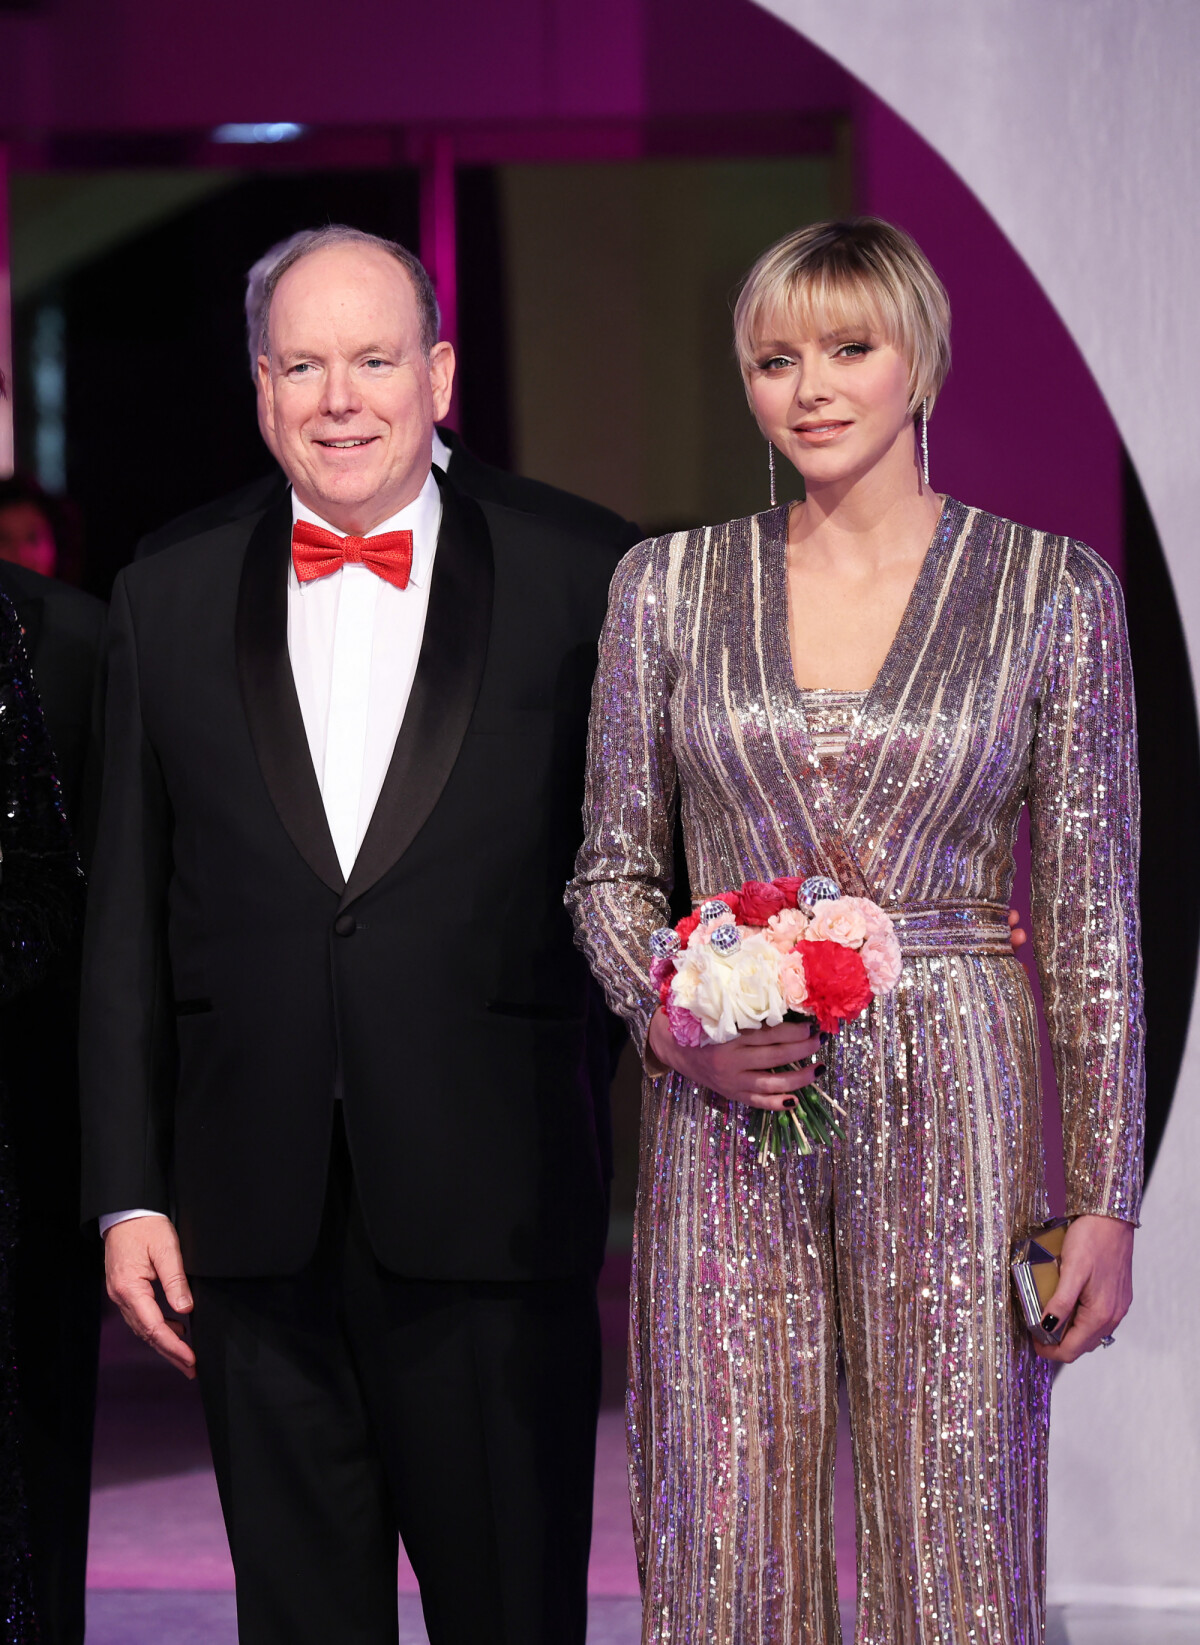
<point x="353" y="642"/>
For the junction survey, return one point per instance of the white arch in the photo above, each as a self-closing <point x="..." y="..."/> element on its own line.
<point x="1078" y="127"/>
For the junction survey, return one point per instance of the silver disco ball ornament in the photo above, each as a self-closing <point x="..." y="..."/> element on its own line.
<point x="819" y="888"/>
<point x="664" y="943"/>
<point x="713" y="910"/>
<point x="726" y="939"/>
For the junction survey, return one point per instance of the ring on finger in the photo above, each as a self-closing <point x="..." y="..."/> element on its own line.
<point x="1107" y="1342"/>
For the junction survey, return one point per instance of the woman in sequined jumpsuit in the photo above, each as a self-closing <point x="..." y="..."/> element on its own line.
<point x="868" y="685"/>
<point x="41" y="896"/>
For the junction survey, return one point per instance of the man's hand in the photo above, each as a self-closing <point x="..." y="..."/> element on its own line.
<point x="740" y="1069"/>
<point x="1097" y="1272"/>
<point x="136" y="1253"/>
<point x="1016" y="934"/>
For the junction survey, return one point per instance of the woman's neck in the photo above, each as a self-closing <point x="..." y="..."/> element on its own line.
<point x="871" y="518"/>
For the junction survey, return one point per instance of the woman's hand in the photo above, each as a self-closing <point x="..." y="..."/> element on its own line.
<point x="739" y="1070"/>
<point x="1097" y="1273"/>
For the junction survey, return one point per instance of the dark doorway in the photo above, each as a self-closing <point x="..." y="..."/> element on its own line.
<point x="1169" y="760"/>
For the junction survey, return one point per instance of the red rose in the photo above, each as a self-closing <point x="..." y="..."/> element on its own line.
<point x="664" y="989"/>
<point x="838" y="986"/>
<point x="732" y="901"/>
<point x="686" y="926"/>
<point x="790" y="886"/>
<point x="760" y="901"/>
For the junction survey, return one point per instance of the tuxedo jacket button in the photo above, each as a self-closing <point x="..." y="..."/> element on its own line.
<point x="345" y="925"/>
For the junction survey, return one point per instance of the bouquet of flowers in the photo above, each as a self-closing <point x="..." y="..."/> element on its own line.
<point x="786" y="950"/>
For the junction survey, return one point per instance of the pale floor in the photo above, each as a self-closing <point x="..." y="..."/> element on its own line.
<point x="159" y="1571"/>
<point x="147" y="1617"/>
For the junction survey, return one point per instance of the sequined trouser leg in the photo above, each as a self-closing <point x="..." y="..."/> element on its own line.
<point x="733" y="1383"/>
<point x="737" y="1299"/>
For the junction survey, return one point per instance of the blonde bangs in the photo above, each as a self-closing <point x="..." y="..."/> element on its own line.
<point x="862" y="276"/>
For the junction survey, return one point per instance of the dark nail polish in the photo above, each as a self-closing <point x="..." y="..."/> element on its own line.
<point x="1050" y="1322"/>
<point x="818" y="1069"/>
<point x="789" y="1102"/>
<point x="825" y="1036"/>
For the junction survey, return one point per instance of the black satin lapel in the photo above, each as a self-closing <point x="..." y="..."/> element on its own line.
<point x="458" y="623"/>
<point x="269" y="694"/>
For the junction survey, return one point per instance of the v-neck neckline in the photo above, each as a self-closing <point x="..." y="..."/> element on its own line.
<point x="930" y="567"/>
<point x="829" y="791"/>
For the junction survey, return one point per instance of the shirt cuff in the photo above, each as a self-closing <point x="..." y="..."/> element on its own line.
<point x="112" y="1218"/>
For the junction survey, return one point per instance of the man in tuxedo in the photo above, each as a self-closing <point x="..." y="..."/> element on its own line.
<point x="55" y="1267"/>
<point x="334" y="1027"/>
<point x="469" y="473"/>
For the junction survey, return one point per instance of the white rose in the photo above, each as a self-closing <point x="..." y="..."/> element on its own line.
<point x="744" y="992"/>
<point x="701" y="985"/>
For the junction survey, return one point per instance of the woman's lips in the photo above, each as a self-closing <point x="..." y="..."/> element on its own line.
<point x="820" y="434"/>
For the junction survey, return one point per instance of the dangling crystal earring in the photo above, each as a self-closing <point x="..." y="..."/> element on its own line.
<point x="771" y="469"/>
<point x="925" y="440"/>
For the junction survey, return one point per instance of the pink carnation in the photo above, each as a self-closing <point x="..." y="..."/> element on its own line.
<point x="685" y="1028"/>
<point x="881" y="952"/>
<point x="878" y="923"/>
<point x="786" y="929"/>
<point x="842" y="922"/>
<point x="884" y="962"/>
<point x="793" y="981"/>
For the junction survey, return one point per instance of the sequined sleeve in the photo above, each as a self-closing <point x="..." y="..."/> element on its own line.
<point x="623" y="874"/>
<point x="1084" y="808"/>
<point x="41" y="886"/>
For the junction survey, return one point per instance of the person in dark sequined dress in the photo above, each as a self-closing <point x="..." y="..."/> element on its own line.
<point x="871" y="685"/>
<point x="41" y="905"/>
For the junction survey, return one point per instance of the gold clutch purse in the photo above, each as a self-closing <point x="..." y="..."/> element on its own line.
<point x="1035" y="1267"/>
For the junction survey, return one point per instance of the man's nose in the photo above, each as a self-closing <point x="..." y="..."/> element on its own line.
<point x="341" y="397"/>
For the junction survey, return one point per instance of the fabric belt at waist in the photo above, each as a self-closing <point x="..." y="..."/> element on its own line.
<point x="952" y="928"/>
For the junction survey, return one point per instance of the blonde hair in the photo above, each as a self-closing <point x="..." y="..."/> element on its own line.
<point x="832" y="276"/>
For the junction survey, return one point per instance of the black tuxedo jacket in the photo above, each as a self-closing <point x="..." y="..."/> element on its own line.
<point x="466" y="471"/>
<point x="232" y="979"/>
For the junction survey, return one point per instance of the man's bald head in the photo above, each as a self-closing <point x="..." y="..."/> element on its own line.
<point x="308" y="241"/>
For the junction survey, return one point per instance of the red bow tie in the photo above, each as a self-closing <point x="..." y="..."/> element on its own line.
<point x="319" y="553"/>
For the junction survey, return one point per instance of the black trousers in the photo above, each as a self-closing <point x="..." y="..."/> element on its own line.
<point x="347" y="1405"/>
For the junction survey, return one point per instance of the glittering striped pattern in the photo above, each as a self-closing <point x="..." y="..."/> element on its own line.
<point x="830" y="716"/>
<point x="1008" y="683"/>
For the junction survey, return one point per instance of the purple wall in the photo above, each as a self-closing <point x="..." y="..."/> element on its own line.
<point x="137" y="65"/>
<point x="1021" y="428"/>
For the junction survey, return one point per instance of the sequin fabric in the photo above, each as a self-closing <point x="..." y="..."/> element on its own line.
<point x="41" y="896"/>
<point x="830" y="717"/>
<point x="1008" y="683"/>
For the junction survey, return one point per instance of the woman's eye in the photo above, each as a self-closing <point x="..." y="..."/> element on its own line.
<point x="854" y="351"/>
<point x="777" y="362"/>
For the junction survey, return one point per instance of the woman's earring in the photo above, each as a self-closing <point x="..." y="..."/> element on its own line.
<point x="771" y="468"/>
<point x="925" y="440"/>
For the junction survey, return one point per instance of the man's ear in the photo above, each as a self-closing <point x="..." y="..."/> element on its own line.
<point x="441" y="378"/>
<point x="267" y="390"/>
